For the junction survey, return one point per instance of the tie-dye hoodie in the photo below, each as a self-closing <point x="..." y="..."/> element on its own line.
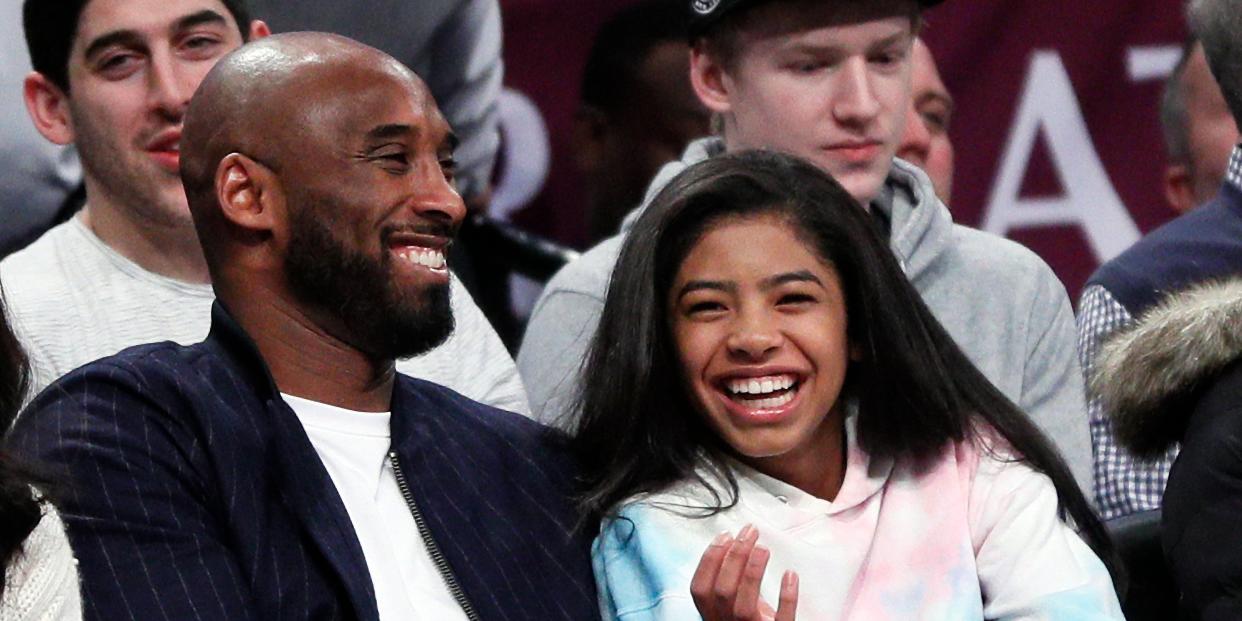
<point x="970" y="536"/>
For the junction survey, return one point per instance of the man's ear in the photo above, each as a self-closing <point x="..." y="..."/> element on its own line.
<point x="1178" y="190"/>
<point x="248" y="193"/>
<point x="258" y="30"/>
<point x="710" y="80"/>
<point x="588" y="135"/>
<point x="48" y="106"/>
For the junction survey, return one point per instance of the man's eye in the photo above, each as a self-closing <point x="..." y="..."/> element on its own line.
<point x="935" y="122"/>
<point x="809" y="66"/>
<point x="398" y="157"/>
<point x="200" y="42"/>
<point x="450" y="169"/>
<point x="117" y="63"/>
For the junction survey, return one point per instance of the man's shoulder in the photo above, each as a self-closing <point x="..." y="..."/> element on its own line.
<point x="980" y="258"/>
<point x="155" y="369"/>
<point x="126" y="394"/>
<point x="37" y="273"/>
<point x="462" y="416"/>
<point x="1204" y="243"/>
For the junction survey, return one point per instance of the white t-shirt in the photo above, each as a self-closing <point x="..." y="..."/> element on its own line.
<point x="72" y="300"/>
<point x="354" y="448"/>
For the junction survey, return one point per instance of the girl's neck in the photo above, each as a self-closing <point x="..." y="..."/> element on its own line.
<point x="818" y="466"/>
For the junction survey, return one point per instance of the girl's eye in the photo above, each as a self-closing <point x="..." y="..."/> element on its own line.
<point x="796" y="298"/>
<point x="706" y="306"/>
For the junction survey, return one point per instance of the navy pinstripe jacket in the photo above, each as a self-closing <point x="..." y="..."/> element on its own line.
<point x="193" y="493"/>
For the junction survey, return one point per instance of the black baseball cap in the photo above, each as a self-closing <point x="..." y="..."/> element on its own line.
<point x="705" y="13"/>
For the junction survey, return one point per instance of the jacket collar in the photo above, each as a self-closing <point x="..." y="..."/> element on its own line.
<point x="305" y="486"/>
<point x="1146" y="375"/>
<point x="234" y="343"/>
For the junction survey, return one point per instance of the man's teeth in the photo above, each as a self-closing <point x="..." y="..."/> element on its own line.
<point x="761" y="385"/>
<point x="426" y="257"/>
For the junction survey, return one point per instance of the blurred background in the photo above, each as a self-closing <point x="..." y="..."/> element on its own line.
<point x="1058" y="144"/>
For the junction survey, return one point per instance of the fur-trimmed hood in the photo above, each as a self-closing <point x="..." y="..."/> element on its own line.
<point x="1148" y="375"/>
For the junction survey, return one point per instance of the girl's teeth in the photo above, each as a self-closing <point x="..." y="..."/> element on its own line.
<point x="770" y="402"/>
<point x="761" y="385"/>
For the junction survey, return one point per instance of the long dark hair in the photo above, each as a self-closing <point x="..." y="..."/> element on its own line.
<point x="916" y="391"/>
<point x="20" y="511"/>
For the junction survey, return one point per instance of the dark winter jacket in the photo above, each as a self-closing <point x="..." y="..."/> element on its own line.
<point x="1176" y="376"/>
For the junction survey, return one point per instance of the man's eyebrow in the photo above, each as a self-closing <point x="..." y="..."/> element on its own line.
<point x="901" y="36"/>
<point x="109" y="39"/>
<point x="944" y="98"/>
<point x="129" y="37"/>
<point x="711" y="285"/>
<point x="798" y="276"/>
<point x="205" y="16"/>
<point x="391" y="130"/>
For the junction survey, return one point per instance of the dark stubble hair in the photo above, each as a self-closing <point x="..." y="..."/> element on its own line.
<point x="383" y="320"/>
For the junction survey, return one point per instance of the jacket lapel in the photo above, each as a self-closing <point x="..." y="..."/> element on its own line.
<point x="310" y="495"/>
<point x="306" y="488"/>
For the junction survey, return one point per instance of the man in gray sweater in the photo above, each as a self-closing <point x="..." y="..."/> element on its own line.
<point x="830" y="82"/>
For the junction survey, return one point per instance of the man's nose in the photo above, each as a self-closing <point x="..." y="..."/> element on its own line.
<point x="170" y="85"/>
<point x="915" y="139"/>
<point x="437" y="198"/>
<point x="855" y="102"/>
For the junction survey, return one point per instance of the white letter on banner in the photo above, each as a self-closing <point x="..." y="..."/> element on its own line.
<point x="1048" y="104"/>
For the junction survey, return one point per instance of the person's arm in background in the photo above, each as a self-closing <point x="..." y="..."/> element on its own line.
<point x="466" y="78"/>
<point x="1053" y="394"/>
<point x="1123" y="485"/>
<point x="556" y="341"/>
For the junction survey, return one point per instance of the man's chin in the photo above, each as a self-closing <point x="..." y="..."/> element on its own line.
<point x="417" y="328"/>
<point x="863" y="185"/>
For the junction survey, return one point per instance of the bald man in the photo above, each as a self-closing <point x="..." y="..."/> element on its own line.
<point x="282" y="469"/>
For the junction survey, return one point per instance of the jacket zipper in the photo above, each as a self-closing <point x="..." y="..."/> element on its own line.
<point x="437" y="557"/>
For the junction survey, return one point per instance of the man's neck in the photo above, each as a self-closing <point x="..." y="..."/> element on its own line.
<point x="306" y="360"/>
<point x="171" y="251"/>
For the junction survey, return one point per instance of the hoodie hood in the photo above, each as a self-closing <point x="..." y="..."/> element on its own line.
<point x="1148" y="376"/>
<point x="920" y="226"/>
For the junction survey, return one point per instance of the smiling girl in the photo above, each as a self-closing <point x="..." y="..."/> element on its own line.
<point x="763" y="367"/>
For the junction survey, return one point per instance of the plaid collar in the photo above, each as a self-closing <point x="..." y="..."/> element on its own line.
<point x="1233" y="174"/>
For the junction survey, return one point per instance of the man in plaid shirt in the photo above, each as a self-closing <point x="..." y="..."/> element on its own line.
<point x="1203" y="244"/>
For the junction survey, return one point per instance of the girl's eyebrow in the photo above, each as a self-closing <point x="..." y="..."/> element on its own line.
<point x="770" y="282"/>
<point x="798" y="276"/>
<point x="699" y="285"/>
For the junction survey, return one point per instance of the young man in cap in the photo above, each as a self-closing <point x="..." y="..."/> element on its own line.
<point x="831" y="82"/>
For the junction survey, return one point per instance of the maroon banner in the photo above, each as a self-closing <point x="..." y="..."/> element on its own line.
<point x="1056" y="132"/>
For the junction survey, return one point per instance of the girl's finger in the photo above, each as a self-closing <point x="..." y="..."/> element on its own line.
<point x="746" y="603"/>
<point x="788" y="604"/>
<point x="702" y="585"/>
<point x="725" y="590"/>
